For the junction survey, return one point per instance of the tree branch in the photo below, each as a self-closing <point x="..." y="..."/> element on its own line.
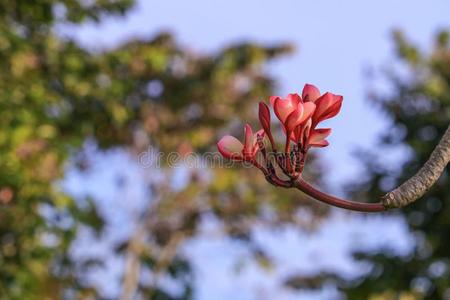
<point x="334" y="201"/>
<point x="416" y="186"/>
<point x="408" y="192"/>
<point x="132" y="265"/>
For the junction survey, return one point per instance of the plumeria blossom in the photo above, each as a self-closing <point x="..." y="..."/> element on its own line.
<point x="310" y="93"/>
<point x="328" y="106"/>
<point x="231" y="148"/>
<point x="316" y="138"/>
<point x="292" y="111"/>
<point x="298" y="117"/>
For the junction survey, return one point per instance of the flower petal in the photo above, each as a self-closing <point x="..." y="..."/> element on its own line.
<point x="327" y="106"/>
<point x="292" y="137"/>
<point x="310" y="93"/>
<point x="334" y="109"/>
<point x="294" y="119"/>
<point x="272" y="100"/>
<point x="321" y="144"/>
<point x="294" y="98"/>
<point x="284" y="107"/>
<point x="322" y="104"/>
<point x="308" y="111"/>
<point x="264" y="116"/>
<point x="296" y="134"/>
<point x="318" y="135"/>
<point x="248" y="139"/>
<point x="303" y="135"/>
<point x="303" y="112"/>
<point x="230" y="147"/>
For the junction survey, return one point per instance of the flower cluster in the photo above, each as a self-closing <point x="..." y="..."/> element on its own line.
<point x="299" y="117"/>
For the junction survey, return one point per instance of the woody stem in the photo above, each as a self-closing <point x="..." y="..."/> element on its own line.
<point x="335" y="201"/>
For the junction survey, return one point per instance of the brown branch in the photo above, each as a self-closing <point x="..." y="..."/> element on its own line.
<point x="408" y="192"/>
<point x="416" y="186"/>
<point x="335" y="201"/>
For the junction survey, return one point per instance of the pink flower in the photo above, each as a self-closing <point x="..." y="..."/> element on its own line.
<point x="299" y="117"/>
<point x="231" y="148"/>
<point x="310" y="93"/>
<point x="316" y="137"/>
<point x="292" y="111"/>
<point x="328" y="106"/>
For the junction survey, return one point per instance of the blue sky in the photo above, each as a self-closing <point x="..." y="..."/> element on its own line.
<point x="336" y="40"/>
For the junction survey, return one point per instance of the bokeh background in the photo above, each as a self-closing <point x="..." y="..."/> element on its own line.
<point x="93" y="92"/>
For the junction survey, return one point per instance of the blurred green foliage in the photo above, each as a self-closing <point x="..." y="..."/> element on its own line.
<point x="55" y="95"/>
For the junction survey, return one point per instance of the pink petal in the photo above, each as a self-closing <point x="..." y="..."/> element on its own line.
<point x="304" y="133"/>
<point x="322" y="104"/>
<point x="334" y="109"/>
<point x="294" y="98"/>
<point x="248" y="138"/>
<point x="320" y="144"/>
<point x="294" y="119"/>
<point x="230" y="147"/>
<point x="338" y="98"/>
<point x="284" y="107"/>
<point x="328" y="106"/>
<point x="310" y="93"/>
<point x="309" y="109"/>
<point x="264" y="119"/>
<point x="318" y="135"/>
<point x="264" y="116"/>
<point x="272" y="100"/>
